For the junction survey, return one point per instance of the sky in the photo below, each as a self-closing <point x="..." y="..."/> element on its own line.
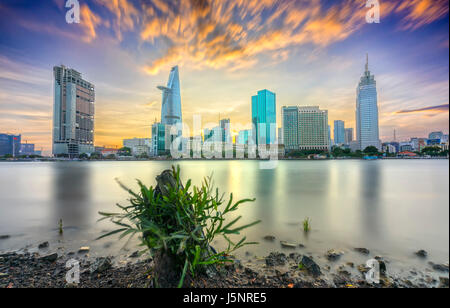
<point x="307" y="52"/>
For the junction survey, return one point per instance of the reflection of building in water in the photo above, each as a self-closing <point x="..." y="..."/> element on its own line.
<point x="370" y="191"/>
<point x="72" y="194"/>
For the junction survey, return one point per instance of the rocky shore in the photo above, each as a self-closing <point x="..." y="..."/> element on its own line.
<point x="278" y="270"/>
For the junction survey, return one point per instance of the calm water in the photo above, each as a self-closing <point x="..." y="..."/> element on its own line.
<point x="391" y="207"/>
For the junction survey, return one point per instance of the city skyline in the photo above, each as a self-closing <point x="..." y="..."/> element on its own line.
<point x="127" y="55"/>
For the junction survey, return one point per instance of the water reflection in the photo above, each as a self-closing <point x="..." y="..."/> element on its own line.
<point x="370" y="206"/>
<point x="350" y="202"/>
<point x="72" y="194"/>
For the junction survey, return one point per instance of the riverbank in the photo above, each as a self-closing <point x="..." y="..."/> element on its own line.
<point x="278" y="270"/>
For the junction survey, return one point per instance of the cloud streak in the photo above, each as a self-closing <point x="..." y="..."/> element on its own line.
<point x="437" y="109"/>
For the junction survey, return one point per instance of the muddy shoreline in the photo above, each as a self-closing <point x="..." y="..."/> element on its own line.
<point x="47" y="269"/>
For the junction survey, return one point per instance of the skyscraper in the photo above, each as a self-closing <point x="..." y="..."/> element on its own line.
<point x="305" y="128"/>
<point x="158" y="139"/>
<point x="289" y="116"/>
<point x="73" y="113"/>
<point x="244" y="136"/>
<point x="367" y="130"/>
<point x="348" y="135"/>
<point x="339" y="132"/>
<point x="10" y="144"/>
<point x="225" y="125"/>
<point x="264" y="117"/>
<point x="171" y="99"/>
<point x="313" y="129"/>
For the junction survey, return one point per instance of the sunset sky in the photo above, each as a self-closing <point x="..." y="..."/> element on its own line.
<point x="307" y="52"/>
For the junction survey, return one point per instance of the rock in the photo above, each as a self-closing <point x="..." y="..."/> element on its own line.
<point x="43" y="245"/>
<point x="439" y="267"/>
<point x="363" y="251"/>
<point x="340" y="280"/>
<point x="250" y="272"/>
<point x="422" y="253"/>
<point x="285" y="244"/>
<point x="383" y="268"/>
<point x="301" y="246"/>
<point x="334" y="254"/>
<point x="101" y="265"/>
<point x="4" y="236"/>
<point x="295" y="256"/>
<point x="211" y="272"/>
<point x="134" y="255"/>
<point x="363" y="269"/>
<point x="311" y="266"/>
<point x="444" y="282"/>
<point x="270" y="238"/>
<point x="84" y="249"/>
<point x="49" y="258"/>
<point x="276" y="259"/>
<point x="351" y="264"/>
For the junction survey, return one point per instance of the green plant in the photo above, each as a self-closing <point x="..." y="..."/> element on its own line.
<point x="181" y="222"/>
<point x="307" y="224"/>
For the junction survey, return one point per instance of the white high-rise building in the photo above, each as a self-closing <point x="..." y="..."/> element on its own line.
<point x="367" y="129"/>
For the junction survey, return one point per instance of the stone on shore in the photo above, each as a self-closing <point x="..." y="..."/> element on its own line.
<point x="134" y="255"/>
<point x="43" y="245"/>
<point x="101" y="265"/>
<point x="269" y="238"/>
<point x="49" y="258"/>
<point x="422" y="253"/>
<point x="276" y="259"/>
<point x="363" y="251"/>
<point x="84" y="249"/>
<point x="443" y="282"/>
<point x="363" y="269"/>
<point x="4" y="236"/>
<point x="334" y="254"/>
<point x="439" y="267"/>
<point x="311" y="266"/>
<point x="285" y="244"/>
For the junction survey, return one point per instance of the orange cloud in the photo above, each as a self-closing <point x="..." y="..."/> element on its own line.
<point x="421" y="12"/>
<point x="89" y="21"/>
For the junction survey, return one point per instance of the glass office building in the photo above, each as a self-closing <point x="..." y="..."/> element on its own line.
<point x="367" y="130"/>
<point x="264" y="117"/>
<point x="171" y="99"/>
<point x="10" y="144"/>
<point x="159" y="139"/>
<point x="244" y="136"/>
<point x="289" y="116"/>
<point x="339" y="132"/>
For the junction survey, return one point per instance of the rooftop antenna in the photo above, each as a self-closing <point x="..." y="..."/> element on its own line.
<point x="367" y="62"/>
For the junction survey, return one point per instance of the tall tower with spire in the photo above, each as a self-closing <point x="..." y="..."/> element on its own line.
<point x="171" y="99"/>
<point x="367" y="127"/>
